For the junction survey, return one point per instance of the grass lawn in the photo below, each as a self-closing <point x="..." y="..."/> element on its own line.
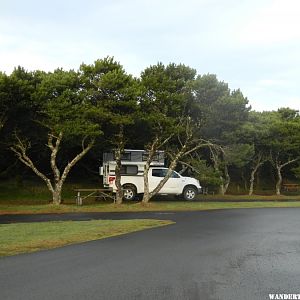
<point x="30" y="237"/>
<point x="33" y="197"/>
<point x="137" y="207"/>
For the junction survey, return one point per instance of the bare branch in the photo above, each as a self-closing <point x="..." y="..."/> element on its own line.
<point x="197" y="147"/>
<point x="2" y="121"/>
<point x="75" y="160"/>
<point x="189" y="166"/>
<point x="290" y="161"/>
<point x="20" y="149"/>
<point x="165" y="141"/>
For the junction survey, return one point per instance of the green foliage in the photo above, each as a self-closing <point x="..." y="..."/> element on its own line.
<point x="296" y="171"/>
<point x="285" y="133"/>
<point x="63" y="107"/>
<point x="164" y="100"/>
<point x="18" y="110"/>
<point x="112" y="93"/>
<point x="16" y="102"/>
<point x="238" y="155"/>
<point x="206" y="174"/>
<point x="101" y="101"/>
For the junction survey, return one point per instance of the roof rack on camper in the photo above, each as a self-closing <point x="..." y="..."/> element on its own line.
<point x="130" y="156"/>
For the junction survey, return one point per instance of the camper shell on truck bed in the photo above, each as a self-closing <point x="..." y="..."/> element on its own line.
<point x="132" y="161"/>
<point x="132" y="171"/>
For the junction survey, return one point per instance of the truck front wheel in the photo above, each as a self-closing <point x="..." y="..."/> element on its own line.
<point x="189" y="193"/>
<point x="129" y="192"/>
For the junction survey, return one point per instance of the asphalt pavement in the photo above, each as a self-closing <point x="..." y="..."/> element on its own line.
<point x="224" y="254"/>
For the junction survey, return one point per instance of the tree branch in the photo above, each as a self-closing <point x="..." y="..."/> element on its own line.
<point x="189" y="166"/>
<point x="208" y="144"/>
<point x="289" y="162"/>
<point x="75" y="160"/>
<point x="20" y="149"/>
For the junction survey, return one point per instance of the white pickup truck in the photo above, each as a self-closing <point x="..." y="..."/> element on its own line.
<point x="176" y="185"/>
<point x="132" y="178"/>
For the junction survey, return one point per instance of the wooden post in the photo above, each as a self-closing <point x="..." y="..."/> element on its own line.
<point x="78" y="199"/>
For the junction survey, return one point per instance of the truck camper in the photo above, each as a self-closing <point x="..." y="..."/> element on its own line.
<point x="132" y="175"/>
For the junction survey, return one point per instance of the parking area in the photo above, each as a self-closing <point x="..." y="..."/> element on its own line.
<point x="222" y="254"/>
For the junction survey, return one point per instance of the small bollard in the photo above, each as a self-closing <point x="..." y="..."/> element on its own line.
<point x="78" y="199"/>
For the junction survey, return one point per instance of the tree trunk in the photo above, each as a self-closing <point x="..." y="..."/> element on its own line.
<point x="165" y="179"/>
<point x="118" y="155"/>
<point x="222" y="189"/>
<point x="225" y="182"/>
<point x="172" y="166"/>
<point x="151" y="152"/>
<point x="20" y="149"/>
<point x="119" y="194"/>
<point x="149" y="195"/>
<point x="252" y="178"/>
<point x="278" y="165"/>
<point x="185" y="149"/>
<point x="56" y="194"/>
<point x="146" y="196"/>
<point x="279" y="180"/>
<point x="227" y="179"/>
<point x="257" y="163"/>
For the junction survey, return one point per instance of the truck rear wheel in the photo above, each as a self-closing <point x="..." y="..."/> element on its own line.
<point x="189" y="193"/>
<point x="129" y="192"/>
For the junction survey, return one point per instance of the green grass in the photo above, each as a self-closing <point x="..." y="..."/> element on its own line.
<point x="33" y="197"/>
<point x="36" y="192"/>
<point x="137" y="207"/>
<point x="250" y="198"/>
<point x="30" y="237"/>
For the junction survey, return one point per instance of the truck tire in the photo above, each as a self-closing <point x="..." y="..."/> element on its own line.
<point x="129" y="192"/>
<point x="189" y="193"/>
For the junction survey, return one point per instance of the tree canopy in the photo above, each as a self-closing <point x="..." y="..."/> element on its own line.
<point x="100" y="106"/>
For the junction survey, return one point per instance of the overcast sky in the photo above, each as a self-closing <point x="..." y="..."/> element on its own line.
<point x="253" y="45"/>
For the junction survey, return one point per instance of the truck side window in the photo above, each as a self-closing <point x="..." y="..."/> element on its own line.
<point x="158" y="173"/>
<point x="163" y="173"/>
<point x="132" y="170"/>
<point x="129" y="170"/>
<point x="175" y="175"/>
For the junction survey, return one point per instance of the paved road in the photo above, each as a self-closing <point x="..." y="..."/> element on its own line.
<point x="225" y="254"/>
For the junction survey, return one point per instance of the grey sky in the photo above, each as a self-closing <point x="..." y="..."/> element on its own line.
<point x="252" y="45"/>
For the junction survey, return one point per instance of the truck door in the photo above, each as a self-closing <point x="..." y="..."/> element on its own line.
<point x="156" y="175"/>
<point x="172" y="186"/>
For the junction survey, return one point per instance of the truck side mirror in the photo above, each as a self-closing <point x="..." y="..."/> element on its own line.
<point x="101" y="171"/>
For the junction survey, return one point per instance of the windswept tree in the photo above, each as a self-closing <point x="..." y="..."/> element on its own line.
<point x="223" y="157"/>
<point x="112" y="91"/>
<point x="256" y="132"/>
<point x="284" y="141"/>
<point x="65" y="117"/>
<point x="17" y="111"/>
<point x="219" y="113"/>
<point x="167" y="124"/>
